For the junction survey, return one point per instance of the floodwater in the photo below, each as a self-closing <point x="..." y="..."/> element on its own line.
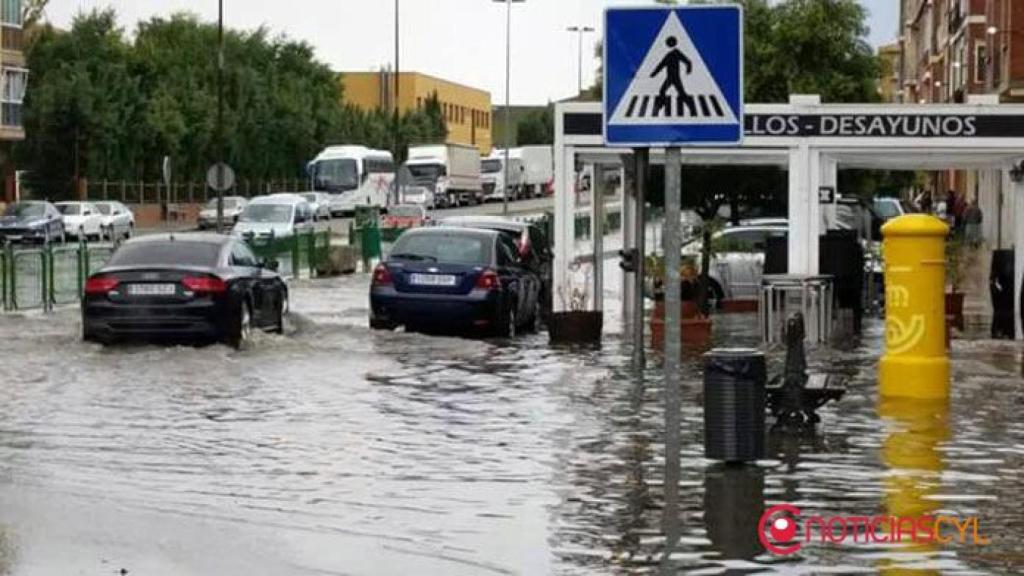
<point x="335" y="450"/>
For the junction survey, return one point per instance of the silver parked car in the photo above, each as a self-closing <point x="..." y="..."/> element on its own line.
<point x="118" y="220"/>
<point x="737" y="262"/>
<point x="320" y="202"/>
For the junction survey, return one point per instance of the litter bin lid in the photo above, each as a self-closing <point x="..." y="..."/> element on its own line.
<point x="733" y="353"/>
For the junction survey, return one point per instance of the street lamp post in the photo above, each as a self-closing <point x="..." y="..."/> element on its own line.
<point x="508" y="94"/>
<point x="220" y="116"/>
<point x="397" y="112"/>
<point x="580" y="31"/>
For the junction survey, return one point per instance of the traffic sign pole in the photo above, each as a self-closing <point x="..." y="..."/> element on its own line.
<point x="642" y="158"/>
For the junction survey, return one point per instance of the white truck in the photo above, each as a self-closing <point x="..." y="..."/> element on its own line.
<point x="452" y="171"/>
<point x="493" y="177"/>
<point x="538" y="169"/>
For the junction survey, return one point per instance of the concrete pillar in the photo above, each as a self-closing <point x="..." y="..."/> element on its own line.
<point x="804" y="209"/>
<point x="565" y="223"/>
<point x="829" y="177"/>
<point x="1017" y="198"/>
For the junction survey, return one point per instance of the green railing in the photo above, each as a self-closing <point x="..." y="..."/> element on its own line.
<point x="295" y="255"/>
<point x="48" y="276"/>
<point x="54" y="275"/>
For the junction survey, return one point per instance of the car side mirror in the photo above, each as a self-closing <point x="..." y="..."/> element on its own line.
<point x="272" y="265"/>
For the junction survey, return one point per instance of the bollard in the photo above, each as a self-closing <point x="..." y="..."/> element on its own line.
<point x="734" y="404"/>
<point x="916" y="361"/>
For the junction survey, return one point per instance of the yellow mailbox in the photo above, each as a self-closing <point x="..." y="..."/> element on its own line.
<point x="916" y="362"/>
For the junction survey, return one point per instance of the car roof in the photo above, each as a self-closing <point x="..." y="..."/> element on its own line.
<point x="479" y="232"/>
<point x="192" y="237"/>
<point x="282" y="198"/>
<point x="487" y="222"/>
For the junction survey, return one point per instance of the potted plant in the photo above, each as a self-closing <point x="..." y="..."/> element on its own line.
<point x="576" y="324"/>
<point x="694" y="323"/>
<point x="957" y="254"/>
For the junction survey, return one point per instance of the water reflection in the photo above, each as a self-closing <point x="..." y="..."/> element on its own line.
<point x="733" y="506"/>
<point x="912" y="453"/>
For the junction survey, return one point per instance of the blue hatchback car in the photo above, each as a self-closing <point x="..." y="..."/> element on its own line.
<point x="461" y="280"/>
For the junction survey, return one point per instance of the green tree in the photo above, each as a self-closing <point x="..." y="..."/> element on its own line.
<point x="537" y="127"/>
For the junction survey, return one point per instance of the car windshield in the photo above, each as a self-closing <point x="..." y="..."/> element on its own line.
<point x="490" y="166"/>
<point x="267" y="213"/>
<point x="426" y="171"/>
<point x="310" y="197"/>
<point x="887" y="209"/>
<point x="167" y="253"/>
<point x="229" y="204"/>
<point x="337" y="175"/>
<point x="448" y="248"/>
<point x="405" y="211"/>
<point x="69" y="209"/>
<point x="745" y="240"/>
<point x="104" y="209"/>
<point x="26" y="210"/>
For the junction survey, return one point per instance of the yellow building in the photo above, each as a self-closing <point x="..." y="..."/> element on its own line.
<point x="466" y="110"/>
<point x="889" y="73"/>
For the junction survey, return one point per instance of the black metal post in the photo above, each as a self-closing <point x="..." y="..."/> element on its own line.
<point x="220" y="116"/>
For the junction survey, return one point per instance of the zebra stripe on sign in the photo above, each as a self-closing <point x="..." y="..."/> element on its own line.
<point x="685" y="106"/>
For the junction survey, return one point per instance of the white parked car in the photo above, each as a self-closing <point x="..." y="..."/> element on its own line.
<point x="737" y="263"/>
<point x="420" y="195"/>
<point x="83" y="220"/>
<point x="233" y="207"/>
<point x="320" y="202"/>
<point x="118" y="220"/>
<point x="277" y="215"/>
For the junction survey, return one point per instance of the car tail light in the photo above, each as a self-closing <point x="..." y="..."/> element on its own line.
<point x="204" y="284"/>
<point x="382" y="276"/>
<point x="488" y="280"/>
<point x="100" y="284"/>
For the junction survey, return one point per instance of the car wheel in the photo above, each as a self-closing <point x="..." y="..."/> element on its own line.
<point x="282" y="314"/>
<point x="506" y="328"/>
<point x="240" y="333"/>
<point x="130" y="232"/>
<point x="715" y="293"/>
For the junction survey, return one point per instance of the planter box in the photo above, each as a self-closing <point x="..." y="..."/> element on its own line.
<point x="576" y="327"/>
<point x="740" y="306"/>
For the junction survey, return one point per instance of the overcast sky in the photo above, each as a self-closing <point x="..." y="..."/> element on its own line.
<point x="460" y="40"/>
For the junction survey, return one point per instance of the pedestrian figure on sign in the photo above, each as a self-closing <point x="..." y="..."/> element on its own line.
<point x="672" y="64"/>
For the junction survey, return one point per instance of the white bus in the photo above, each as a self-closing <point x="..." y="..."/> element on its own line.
<point x="353" y="176"/>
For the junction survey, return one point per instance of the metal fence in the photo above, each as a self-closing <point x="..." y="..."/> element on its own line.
<point x="54" y="275"/>
<point x="48" y="276"/>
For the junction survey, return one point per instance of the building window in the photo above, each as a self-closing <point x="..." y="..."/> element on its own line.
<point x="980" y="54"/>
<point x="15" y="81"/>
<point x="11" y="12"/>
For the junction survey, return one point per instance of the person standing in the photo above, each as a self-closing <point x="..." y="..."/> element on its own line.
<point x="972" y="219"/>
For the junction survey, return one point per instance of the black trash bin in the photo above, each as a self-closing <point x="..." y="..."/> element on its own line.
<point x="734" y="405"/>
<point x="842" y="257"/>
<point x="1001" y="288"/>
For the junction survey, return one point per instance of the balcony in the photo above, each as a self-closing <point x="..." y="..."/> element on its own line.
<point x="13" y="38"/>
<point x="11" y="115"/>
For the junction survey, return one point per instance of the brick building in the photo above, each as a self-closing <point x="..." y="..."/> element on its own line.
<point x="1005" y="48"/>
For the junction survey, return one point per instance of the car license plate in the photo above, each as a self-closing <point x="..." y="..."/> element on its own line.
<point x="433" y="280"/>
<point x="152" y="289"/>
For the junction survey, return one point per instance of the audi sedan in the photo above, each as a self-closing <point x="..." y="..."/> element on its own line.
<point x="195" y="287"/>
<point x="32" y="222"/>
<point x="454" y="280"/>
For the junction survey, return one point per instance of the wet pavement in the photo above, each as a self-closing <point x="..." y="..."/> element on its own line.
<point x="336" y="450"/>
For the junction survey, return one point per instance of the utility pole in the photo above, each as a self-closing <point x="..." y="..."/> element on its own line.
<point x="580" y="31"/>
<point x="397" y="111"/>
<point x="220" y="116"/>
<point x="508" y="95"/>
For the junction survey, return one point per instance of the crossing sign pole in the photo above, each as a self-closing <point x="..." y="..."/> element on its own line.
<point x="673" y="78"/>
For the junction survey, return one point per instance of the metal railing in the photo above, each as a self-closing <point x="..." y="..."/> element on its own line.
<point x="41" y="278"/>
<point x="48" y="276"/>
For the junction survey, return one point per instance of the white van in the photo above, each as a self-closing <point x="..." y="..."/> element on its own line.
<point x="353" y="176"/>
<point x="452" y="171"/>
<point x="277" y="215"/>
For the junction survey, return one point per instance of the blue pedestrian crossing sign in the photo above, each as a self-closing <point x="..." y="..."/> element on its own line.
<point x="673" y="76"/>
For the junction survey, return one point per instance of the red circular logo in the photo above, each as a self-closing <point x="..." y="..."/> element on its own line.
<point x="777" y="529"/>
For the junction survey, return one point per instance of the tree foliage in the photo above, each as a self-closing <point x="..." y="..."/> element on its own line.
<point x="537" y="127"/>
<point x="105" y="107"/>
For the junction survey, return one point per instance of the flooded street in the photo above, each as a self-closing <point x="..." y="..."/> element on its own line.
<point x="336" y="450"/>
